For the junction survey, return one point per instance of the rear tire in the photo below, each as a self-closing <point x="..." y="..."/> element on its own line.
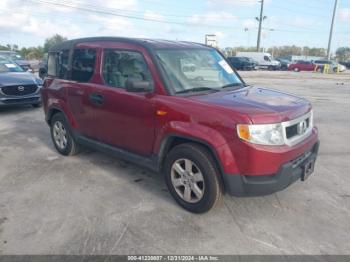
<point x="192" y="177"/>
<point x="296" y="69"/>
<point x="62" y="137"/>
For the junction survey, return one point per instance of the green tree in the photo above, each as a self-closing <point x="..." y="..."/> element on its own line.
<point x="54" y="40"/>
<point x="4" y="47"/>
<point x="343" y="53"/>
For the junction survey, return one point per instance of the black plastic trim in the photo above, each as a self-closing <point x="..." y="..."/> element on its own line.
<point x="150" y="163"/>
<point x="240" y="185"/>
<point x="166" y="142"/>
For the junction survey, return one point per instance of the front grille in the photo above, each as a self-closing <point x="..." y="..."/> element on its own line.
<point x="298" y="129"/>
<point x="292" y="131"/>
<point x="19" y="90"/>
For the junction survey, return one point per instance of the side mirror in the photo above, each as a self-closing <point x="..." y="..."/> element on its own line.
<point x="133" y="85"/>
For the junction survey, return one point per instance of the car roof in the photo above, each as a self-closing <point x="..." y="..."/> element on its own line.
<point x="145" y="42"/>
<point x="7" y="52"/>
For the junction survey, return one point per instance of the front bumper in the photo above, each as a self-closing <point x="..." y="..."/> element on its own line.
<point x="290" y="172"/>
<point x="25" y="100"/>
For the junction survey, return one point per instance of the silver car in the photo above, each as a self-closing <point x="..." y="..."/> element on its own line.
<point x="333" y="65"/>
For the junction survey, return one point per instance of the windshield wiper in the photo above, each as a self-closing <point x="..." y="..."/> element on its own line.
<point x="233" y="85"/>
<point x="197" y="89"/>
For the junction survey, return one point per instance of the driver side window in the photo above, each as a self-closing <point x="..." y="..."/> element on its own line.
<point x="119" y="66"/>
<point x="266" y="58"/>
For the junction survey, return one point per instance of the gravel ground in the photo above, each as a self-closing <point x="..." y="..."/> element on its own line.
<point x="96" y="204"/>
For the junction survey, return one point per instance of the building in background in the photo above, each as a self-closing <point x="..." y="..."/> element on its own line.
<point x="210" y="40"/>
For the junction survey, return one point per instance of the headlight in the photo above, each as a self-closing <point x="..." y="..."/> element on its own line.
<point x="270" y="134"/>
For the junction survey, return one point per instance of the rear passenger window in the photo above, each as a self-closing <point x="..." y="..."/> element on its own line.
<point x="119" y="66"/>
<point x="63" y="64"/>
<point x="83" y="64"/>
<point x="52" y="64"/>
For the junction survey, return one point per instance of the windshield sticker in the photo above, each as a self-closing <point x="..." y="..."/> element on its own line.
<point x="10" y="65"/>
<point x="226" y="66"/>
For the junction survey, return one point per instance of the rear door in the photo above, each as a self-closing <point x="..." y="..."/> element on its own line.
<point x="83" y="63"/>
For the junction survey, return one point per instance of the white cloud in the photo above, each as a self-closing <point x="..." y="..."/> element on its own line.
<point x="210" y="17"/>
<point x="231" y="2"/>
<point x="249" y="24"/>
<point x="302" y="22"/>
<point x="153" y="15"/>
<point x="344" y="14"/>
<point x="117" y="4"/>
<point x="112" y="25"/>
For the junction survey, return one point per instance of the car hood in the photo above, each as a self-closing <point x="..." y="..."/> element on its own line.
<point x="18" y="78"/>
<point x="261" y="105"/>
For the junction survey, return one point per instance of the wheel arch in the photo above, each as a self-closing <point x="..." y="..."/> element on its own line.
<point x="173" y="140"/>
<point x="58" y="109"/>
<point x="51" y="112"/>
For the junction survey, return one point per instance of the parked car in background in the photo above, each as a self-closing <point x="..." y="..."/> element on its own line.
<point x="284" y="63"/>
<point x="43" y="67"/>
<point x="263" y="60"/>
<point x="206" y="131"/>
<point x="241" y="63"/>
<point x="18" y="87"/>
<point x="334" y="66"/>
<point x="346" y="64"/>
<point x="301" y="66"/>
<point x="18" y="59"/>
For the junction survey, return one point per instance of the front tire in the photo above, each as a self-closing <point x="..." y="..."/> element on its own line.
<point x="62" y="137"/>
<point x="296" y="69"/>
<point x="192" y="177"/>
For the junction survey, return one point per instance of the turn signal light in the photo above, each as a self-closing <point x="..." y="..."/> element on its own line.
<point x="243" y="132"/>
<point x="161" y="113"/>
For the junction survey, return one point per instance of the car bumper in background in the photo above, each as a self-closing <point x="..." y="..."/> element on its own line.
<point x="28" y="100"/>
<point x="297" y="169"/>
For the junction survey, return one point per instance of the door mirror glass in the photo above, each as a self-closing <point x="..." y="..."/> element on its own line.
<point x="134" y="85"/>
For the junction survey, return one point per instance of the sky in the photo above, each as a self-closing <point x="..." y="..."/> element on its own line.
<point x="299" y="22"/>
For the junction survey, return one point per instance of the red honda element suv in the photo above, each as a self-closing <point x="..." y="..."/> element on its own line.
<point x="178" y="108"/>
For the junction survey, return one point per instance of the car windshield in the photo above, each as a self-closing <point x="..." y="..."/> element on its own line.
<point x="244" y="59"/>
<point x="9" y="66"/>
<point x="12" y="56"/>
<point x="196" y="70"/>
<point x="15" y="56"/>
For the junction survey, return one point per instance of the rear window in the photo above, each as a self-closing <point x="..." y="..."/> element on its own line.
<point x="57" y="64"/>
<point x="52" y="64"/>
<point x="63" y="64"/>
<point x="83" y="64"/>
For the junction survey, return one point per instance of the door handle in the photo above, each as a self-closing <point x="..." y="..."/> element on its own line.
<point x="97" y="99"/>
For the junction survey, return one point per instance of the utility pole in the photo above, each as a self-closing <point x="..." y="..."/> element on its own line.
<point x="260" y="22"/>
<point x="331" y="31"/>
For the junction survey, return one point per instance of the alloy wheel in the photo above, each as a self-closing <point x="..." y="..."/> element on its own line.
<point x="60" y="135"/>
<point x="187" y="180"/>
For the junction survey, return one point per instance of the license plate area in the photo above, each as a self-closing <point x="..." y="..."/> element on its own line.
<point x="308" y="169"/>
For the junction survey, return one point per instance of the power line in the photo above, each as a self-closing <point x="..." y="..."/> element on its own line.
<point x="295" y="11"/>
<point x="105" y="12"/>
<point x="96" y="9"/>
<point x="314" y="7"/>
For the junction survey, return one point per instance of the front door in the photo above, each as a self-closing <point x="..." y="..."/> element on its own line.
<point x="124" y="119"/>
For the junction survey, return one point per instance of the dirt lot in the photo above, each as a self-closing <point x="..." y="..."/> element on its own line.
<point x="95" y="204"/>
